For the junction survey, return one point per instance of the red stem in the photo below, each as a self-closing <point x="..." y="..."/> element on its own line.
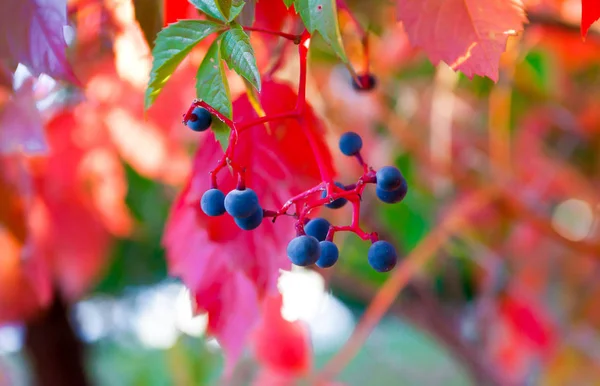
<point x="292" y="37"/>
<point x="268" y="118"/>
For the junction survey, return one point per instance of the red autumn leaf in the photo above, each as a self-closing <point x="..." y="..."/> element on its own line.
<point x="175" y="10"/>
<point x="469" y="35"/>
<point x="21" y="128"/>
<point x="279" y="345"/>
<point x="36" y="31"/>
<point x="208" y="252"/>
<point x="590" y="12"/>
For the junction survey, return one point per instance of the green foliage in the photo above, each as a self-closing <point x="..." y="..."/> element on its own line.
<point x="213" y="88"/>
<point x="239" y="55"/>
<point x="173" y="44"/>
<point x="321" y="16"/>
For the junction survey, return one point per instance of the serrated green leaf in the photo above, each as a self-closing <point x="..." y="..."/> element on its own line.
<point x="224" y="10"/>
<point x="210" y="8"/>
<point x="239" y="55"/>
<point x="211" y="81"/>
<point x="224" y="7"/>
<point x="221" y="131"/>
<point x="321" y="16"/>
<point x="288" y="3"/>
<point x="173" y="44"/>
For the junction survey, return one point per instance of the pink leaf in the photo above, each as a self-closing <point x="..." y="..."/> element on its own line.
<point x="36" y="31"/>
<point x="21" y="127"/>
<point x="208" y="253"/>
<point x="469" y="35"/>
<point x="279" y="345"/>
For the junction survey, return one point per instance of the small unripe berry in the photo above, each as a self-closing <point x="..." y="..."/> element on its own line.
<point x="338" y="203"/>
<point x="329" y="254"/>
<point x="350" y="143"/>
<point x="389" y="178"/>
<point x="317" y="228"/>
<point x="382" y="256"/>
<point x="304" y="250"/>
<point x="199" y="120"/>
<point x="367" y="82"/>
<point x="213" y="202"/>
<point x="241" y="203"/>
<point x="251" y="222"/>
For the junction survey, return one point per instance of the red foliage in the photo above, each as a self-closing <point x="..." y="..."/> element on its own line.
<point x="212" y="255"/>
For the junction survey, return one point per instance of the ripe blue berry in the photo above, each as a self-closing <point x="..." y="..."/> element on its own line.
<point x="304" y="250"/>
<point x="329" y="254"/>
<point x="213" y="202"/>
<point x="350" y="143"/>
<point x="241" y="203"/>
<point x="382" y="256"/>
<point x="367" y="82"/>
<point x="338" y="203"/>
<point x="200" y="119"/>
<point x="251" y="222"/>
<point x="394" y="196"/>
<point x="389" y="178"/>
<point x="317" y="228"/>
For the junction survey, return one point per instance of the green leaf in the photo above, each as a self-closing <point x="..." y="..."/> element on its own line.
<point x="288" y="3"/>
<point x="209" y="7"/>
<point x="173" y="44"/>
<point x="321" y="16"/>
<point x="213" y="88"/>
<point x="224" y="10"/>
<point x="221" y="131"/>
<point x="211" y="81"/>
<point x="225" y="7"/>
<point x="239" y="55"/>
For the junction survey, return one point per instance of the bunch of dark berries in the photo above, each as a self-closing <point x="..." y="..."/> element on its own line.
<point x="314" y="241"/>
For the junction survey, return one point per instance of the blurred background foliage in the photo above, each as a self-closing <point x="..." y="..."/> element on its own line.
<point x="515" y="287"/>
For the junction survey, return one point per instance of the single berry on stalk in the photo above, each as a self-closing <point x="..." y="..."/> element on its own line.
<point x="393" y="196"/>
<point x="199" y="120"/>
<point x="329" y="254"/>
<point x="317" y="228"/>
<point x="382" y="256"/>
<point x="337" y="203"/>
<point x="389" y="178"/>
<point x="367" y="82"/>
<point x="251" y="222"/>
<point x="304" y="250"/>
<point x="213" y="202"/>
<point x="350" y="143"/>
<point x="241" y="203"/>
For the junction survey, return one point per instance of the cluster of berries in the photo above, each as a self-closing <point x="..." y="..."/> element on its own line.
<point x="316" y="245"/>
<point x="314" y="242"/>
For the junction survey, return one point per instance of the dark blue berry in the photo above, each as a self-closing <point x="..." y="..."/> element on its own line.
<point x="251" y="222"/>
<point x="241" y="203"/>
<point x="317" y="228"/>
<point x="394" y="196"/>
<point x="199" y="120"/>
<point x="304" y="250"/>
<point x="213" y="202"/>
<point x="338" y="203"/>
<point x="382" y="256"/>
<point x="367" y="82"/>
<point x="389" y="178"/>
<point x="329" y="254"/>
<point x="350" y="143"/>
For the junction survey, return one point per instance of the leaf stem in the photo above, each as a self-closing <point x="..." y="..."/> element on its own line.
<point x="291" y="37"/>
